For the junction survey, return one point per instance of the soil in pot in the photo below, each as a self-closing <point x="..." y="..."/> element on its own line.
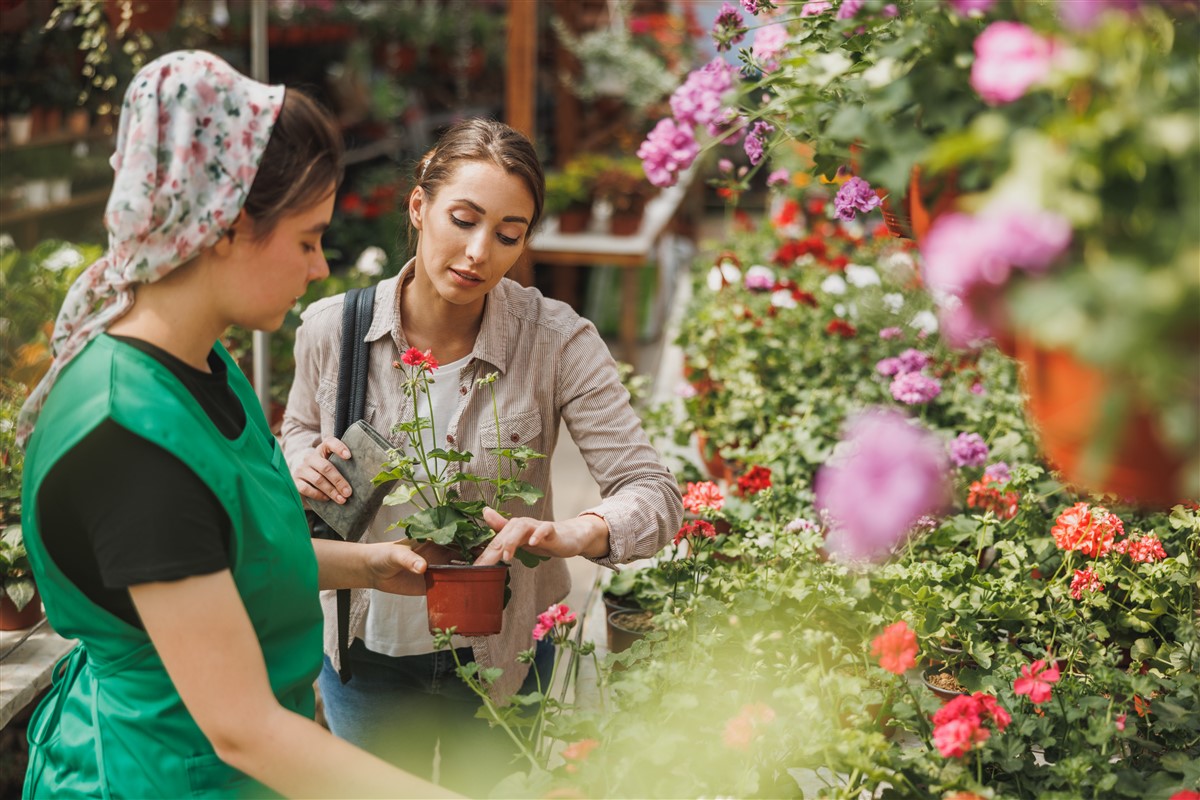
<point x="943" y="685"/>
<point x="13" y="620"/>
<point x="626" y="627"/>
<point x="467" y="598"/>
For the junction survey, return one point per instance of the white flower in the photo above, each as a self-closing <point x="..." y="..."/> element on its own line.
<point x="685" y="390"/>
<point x="783" y="299"/>
<point x="766" y="541"/>
<point x="834" y="284"/>
<point x="723" y="274"/>
<point x="806" y="260"/>
<point x="6" y="242"/>
<point x="760" y="278"/>
<point x="861" y="276"/>
<point x="371" y="262"/>
<point x="6" y="425"/>
<point x="894" y="301"/>
<point x="925" y="321"/>
<point x="65" y="257"/>
<point x="897" y="261"/>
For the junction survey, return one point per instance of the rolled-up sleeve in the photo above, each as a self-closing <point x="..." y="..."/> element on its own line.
<point x="641" y="501"/>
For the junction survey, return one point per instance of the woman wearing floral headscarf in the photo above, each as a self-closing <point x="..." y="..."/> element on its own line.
<point x="164" y="530"/>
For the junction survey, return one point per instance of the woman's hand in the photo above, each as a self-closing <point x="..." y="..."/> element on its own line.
<point x="317" y="478"/>
<point x="395" y="567"/>
<point x="585" y="535"/>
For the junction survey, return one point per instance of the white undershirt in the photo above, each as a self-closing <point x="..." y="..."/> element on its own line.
<point x="397" y="625"/>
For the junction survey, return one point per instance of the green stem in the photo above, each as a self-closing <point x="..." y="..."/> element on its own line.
<point x="474" y="686"/>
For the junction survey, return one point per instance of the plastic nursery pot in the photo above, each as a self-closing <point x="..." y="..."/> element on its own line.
<point x="627" y="626"/>
<point x="1065" y="398"/>
<point x="467" y="598"/>
<point x="944" y="686"/>
<point x="13" y="620"/>
<point x="614" y="602"/>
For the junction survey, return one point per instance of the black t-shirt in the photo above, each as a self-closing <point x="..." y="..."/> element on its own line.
<point x="117" y="510"/>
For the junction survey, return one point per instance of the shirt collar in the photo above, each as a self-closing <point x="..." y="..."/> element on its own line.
<point x="491" y="345"/>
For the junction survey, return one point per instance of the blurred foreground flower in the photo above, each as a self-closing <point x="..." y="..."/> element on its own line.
<point x="892" y="473"/>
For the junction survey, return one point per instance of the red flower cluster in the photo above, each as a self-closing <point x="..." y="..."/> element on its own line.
<point x="380" y="200"/>
<point x="740" y="731"/>
<point x="987" y="495"/>
<point x="839" y="327"/>
<point x="558" y="614"/>
<point x="959" y="725"/>
<point x="789" y="252"/>
<point x="578" y="751"/>
<point x="896" y="648"/>
<point x="415" y="358"/>
<point x="754" y="481"/>
<point x="788" y="214"/>
<point x="1085" y="580"/>
<point x="697" y="529"/>
<point x="703" y="498"/>
<point x="1035" y="681"/>
<point x="1090" y="530"/>
<point x="1144" y="549"/>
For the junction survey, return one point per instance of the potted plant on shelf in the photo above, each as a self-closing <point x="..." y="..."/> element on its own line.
<point x="569" y="195"/>
<point x="470" y="599"/>
<point x="19" y="604"/>
<point x="622" y="184"/>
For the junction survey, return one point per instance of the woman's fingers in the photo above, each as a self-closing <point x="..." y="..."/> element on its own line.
<point x="318" y="478"/>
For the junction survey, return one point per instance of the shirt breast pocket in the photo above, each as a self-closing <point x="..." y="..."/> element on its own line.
<point x="326" y="397"/>
<point x="516" y="430"/>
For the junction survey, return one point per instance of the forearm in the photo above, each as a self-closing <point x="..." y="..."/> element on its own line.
<point x="293" y="755"/>
<point x="591" y="531"/>
<point x="341" y="565"/>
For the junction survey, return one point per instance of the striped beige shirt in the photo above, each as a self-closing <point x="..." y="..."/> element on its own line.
<point x="553" y="367"/>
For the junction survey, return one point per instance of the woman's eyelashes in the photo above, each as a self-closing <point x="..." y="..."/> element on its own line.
<point x="505" y="240"/>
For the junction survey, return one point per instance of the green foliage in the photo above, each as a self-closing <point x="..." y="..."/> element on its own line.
<point x="16" y="577"/>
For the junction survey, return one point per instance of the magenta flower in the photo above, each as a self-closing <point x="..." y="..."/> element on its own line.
<point x="967" y="7"/>
<point x="849" y="9"/>
<point x="888" y="366"/>
<point x="759" y="279"/>
<point x="913" y="388"/>
<point x="668" y="149"/>
<point x="855" y="195"/>
<point x="698" y="100"/>
<point x="1082" y="14"/>
<point x="815" y="8"/>
<point x="728" y="29"/>
<point x="890" y="10"/>
<point x="1009" y="59"/>
<point x="969" y="450"/>
<point x="1036" y="680"/>
<point x="892" y="473"/>
<point x="891" y="333"/>
<point x="558" y="616"/>
<point x="756" y="141"/>
<point x="769" y="41"/>
<point x="913" y="360"/>
<point x="998" y="472"/>
<point x="780" y="177"/>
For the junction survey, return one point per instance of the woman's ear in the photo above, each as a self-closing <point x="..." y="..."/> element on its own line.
<point x="238" y="232"/>
<point x="416" y="207"/>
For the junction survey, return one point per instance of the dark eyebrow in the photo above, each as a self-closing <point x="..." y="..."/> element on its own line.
<point x="479" y="210"/>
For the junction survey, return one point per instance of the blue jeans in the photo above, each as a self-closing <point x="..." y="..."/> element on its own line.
<point x="403" y="707"/>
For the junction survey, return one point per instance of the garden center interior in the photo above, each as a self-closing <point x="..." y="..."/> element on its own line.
<point x="904" y="293"/>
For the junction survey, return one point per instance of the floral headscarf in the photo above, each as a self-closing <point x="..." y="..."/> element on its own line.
<point x="191" y="136"/>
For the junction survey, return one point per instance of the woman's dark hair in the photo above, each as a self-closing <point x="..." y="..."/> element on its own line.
<point x="482" y="140"/>
<point x="303" y="158"/>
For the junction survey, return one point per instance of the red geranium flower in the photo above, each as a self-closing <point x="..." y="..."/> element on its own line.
<point x="1035" y="681"/>
<point x="896" y="648"/>
<point x="1090" y="530"/>
<point x="697" y="529"/>
<point x="754" y="481"/>
<point x="740" y="730"/>
<point x="1085" y="580"/>
<point x="703" y="498"/>
<point x="839" y="327"/>
<point x="415" y="358"/>
<point x="982" y="494"/>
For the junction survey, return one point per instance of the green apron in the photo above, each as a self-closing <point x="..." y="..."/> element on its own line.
<point x="113" y="724"/>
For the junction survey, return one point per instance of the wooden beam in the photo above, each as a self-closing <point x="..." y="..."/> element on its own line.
<point x="521" y="78"/>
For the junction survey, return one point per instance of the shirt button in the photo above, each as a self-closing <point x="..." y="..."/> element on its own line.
<point x="462" y="390"/>
<point x="515" y="438"/>
<point x="449" y="438"/>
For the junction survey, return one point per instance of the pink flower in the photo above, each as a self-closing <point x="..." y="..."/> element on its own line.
<point x="896" y="648"/>
<point x="769" y="42"/>
<point x="668" y="149"/>
<point x="815" y="8"/>
<point x="1009" y="59"/>
<point x="1143" y="550"/>
<point x="740" y="731"/>
<point x="1035" y="681"/>
<point x="969" y="450"/>
<point x="703" y="498"/>
<point x="1120" y="723"/>
<point x="849" y="9"/>
<point x="698" y="100"/>
<point x="954" y="739"/>
<point x="967" y="7"/>
<point x="892" y="473"/>
<point x="780" y="177"/>
<point x="697" y="529"/>
<point x="559" y="616"/>
<point x="959" y="725"/>
<point x="578" y="751"/>
<point x="1085" y="580"/>
<point x="913" y="388"/>
<point x="891" y="333"/>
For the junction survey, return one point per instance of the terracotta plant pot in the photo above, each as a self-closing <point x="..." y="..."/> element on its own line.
<point x="718" y="468"/>
<point x="467" y="598"/>
<point x="13" y="620"/>
<point x="625" y="224"/>
<point x="627" y="626"/>
<point x="941" y="687"/>
<point x="1065" y="399"/>
<point x="574" y="219"/>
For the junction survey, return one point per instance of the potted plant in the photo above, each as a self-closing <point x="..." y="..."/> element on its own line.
<point x="467" y="598"/>
<point x="622" y="184"/>
<point x="569" y="195"/>
<point x="19" y="605"/>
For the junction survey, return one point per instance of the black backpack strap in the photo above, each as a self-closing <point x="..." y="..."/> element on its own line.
<point x="353" y="366"/>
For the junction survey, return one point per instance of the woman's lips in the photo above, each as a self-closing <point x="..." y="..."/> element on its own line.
<point x="466" y="277"/>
